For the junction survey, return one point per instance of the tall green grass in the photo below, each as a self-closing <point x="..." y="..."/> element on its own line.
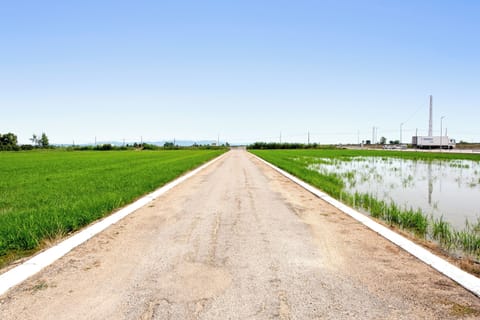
<point x="297" y="162"/>
<point x="47" y="194"/>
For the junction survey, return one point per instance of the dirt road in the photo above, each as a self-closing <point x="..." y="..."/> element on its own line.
<point x="238" y="241"/>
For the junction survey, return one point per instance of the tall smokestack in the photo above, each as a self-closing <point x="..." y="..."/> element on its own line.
<point x="430" y="133"/>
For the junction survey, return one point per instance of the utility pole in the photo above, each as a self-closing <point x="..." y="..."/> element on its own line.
<point x="308" y="137"/>
<point x="218" y="139"/>
<point x="280" y="136"/>
<point x="95" y="140"/>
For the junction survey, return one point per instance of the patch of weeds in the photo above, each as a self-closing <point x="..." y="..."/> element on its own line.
<point x="442" y="232"/>
<point x="40" y="285"/>
<point x="468" y="241"/>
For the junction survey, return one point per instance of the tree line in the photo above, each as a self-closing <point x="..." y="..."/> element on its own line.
<point x="9" y="142"/>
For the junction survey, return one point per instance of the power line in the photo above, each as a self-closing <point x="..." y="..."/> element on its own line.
<point x="411" y="117"/>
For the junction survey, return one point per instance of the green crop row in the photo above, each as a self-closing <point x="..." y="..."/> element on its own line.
<point x="48" y="194"/>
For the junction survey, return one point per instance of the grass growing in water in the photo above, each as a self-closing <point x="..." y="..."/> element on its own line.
<point x="442" y="232"/>
<point x="47" y="194"/>
<point x="391" y="213"/>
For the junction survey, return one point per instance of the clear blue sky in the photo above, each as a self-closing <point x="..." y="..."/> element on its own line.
<point x="246" y="70"/>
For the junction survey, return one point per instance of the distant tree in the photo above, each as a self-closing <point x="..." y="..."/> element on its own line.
<point x="26" y="147"/>
<point x="8" y="141"/>
<point x="148" y="146"/>
<point x="43" y="142"/>
<point x="168" y="145"/>
<point x="383" y="140"/>
<point x="34" y="139"/>
<point x="104" y="147"/>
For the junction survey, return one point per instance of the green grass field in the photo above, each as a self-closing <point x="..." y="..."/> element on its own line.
<point x="297" y="161"/>
<point x="46" y="195"/>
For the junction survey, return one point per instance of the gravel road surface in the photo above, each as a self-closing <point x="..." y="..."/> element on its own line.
<point x="238" y="241"/>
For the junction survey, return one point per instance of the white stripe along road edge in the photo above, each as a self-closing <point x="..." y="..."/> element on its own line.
<point x="463" y="278"/>
<point x="27" y="269"/>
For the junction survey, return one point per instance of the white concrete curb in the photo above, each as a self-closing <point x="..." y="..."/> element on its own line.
<point x="27" y="269"/>
<point x="463" y="278"/>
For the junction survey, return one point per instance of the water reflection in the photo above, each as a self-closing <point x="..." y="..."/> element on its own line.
<point x="430" y="183"/>
<point x="449" y="188"/>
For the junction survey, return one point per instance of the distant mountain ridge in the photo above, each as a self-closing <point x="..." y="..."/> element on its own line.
<point x="182" y="143"/>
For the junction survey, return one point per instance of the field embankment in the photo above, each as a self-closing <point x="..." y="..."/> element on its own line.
<point x="47" y="195"/>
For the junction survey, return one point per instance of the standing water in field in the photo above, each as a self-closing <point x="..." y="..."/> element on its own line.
<point x="439" y="188"/>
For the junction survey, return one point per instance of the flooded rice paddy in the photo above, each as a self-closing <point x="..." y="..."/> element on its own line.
<point x="448" y="188"/>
